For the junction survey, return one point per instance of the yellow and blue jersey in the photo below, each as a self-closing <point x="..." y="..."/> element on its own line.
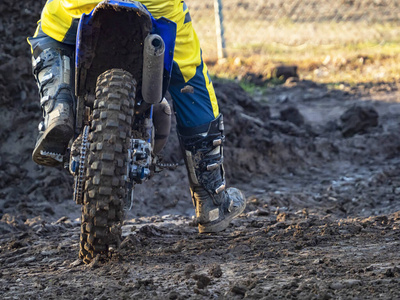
<point x="59" y="20"/>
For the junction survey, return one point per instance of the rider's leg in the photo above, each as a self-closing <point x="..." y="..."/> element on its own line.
<point x="200" y="130"/>
<point x="52" y="64"/>
<point x="202" y="148"/>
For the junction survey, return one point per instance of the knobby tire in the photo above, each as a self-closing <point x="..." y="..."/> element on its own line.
<point x="106" y="165"/>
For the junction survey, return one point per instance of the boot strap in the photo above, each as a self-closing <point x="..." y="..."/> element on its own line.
<point x="203" y="152"/>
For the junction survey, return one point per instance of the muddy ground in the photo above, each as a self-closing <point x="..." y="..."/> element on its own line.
<point x="319" y="167"/>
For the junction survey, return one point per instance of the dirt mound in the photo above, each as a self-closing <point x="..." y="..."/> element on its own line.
<point x="322" y="218"/>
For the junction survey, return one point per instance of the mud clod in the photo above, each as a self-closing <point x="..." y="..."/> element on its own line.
<point x="358" y="120"/>
<point x="202" y="280"/>
<point x="239" y="290"/>
<point x="216" y="271"/>
<point x="189" y="269"/>
<point x="173" y="295"/>
<point x="292" y="115"/>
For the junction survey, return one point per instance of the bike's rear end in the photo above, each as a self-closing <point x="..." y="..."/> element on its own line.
<point x="123" y="63"/>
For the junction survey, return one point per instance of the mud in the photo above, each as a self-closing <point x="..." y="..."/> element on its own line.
<point x="322" y="220"/>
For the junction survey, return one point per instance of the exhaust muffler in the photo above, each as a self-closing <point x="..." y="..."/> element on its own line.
<point x="153" y="68"/>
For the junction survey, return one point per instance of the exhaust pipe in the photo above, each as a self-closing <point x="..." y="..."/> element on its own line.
<point x="153" y="68"/>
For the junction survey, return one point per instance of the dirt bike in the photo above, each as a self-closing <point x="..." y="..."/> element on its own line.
<point x="123" y="65"/>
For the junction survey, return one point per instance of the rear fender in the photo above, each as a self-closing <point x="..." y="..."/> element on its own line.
<point x="111" y="36"/>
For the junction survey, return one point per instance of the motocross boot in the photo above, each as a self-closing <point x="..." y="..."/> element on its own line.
<point x="53" y="71"/>
<point x="202" y="150"/>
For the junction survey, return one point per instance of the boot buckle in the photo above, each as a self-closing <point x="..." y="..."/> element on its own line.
<point x="47" y="103"/>
<point x="44" y="100"/>
<point x="220" y="188"/>
<point x="212" y="166"/>
<point x="35" y="62"/>
<point x="217" y="142"/>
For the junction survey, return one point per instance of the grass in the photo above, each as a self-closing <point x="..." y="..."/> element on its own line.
<point x="351" y="63"/>
<point x="327" y="52"/>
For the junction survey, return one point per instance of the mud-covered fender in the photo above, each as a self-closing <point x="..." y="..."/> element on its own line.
<point x="95" y="53"/>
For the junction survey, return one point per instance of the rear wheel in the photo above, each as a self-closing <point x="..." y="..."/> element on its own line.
<point x="106" y="164"/>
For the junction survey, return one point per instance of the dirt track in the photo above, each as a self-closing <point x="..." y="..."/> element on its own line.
<point x="323" y="215"/>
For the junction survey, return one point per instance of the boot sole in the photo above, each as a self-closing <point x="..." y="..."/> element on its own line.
<point x="54" y="140"/>
<point x="221" y="225"/>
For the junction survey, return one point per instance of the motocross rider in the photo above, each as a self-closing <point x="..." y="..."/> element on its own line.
<point x="199" y="123"/>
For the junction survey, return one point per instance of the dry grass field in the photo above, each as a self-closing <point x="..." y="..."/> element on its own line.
<point x="330" y="41"/>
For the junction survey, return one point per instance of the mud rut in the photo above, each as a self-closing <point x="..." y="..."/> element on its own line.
<point x="322" y="219"/>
